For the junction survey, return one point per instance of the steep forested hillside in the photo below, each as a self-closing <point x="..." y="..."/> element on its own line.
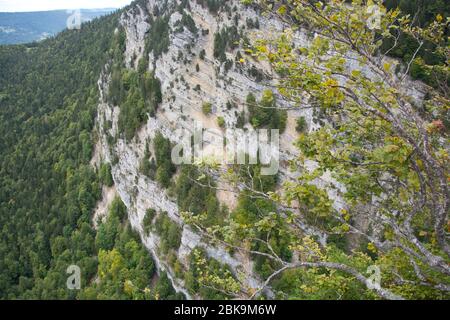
<point x="48" y="101"/>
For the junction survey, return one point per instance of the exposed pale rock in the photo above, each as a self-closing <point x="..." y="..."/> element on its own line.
<point x="136" y="26"/>
<point x="181" y="108"/>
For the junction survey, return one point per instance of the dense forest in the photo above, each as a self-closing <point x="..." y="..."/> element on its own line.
<point x="48" y="101"/>
<point x="48" y="188"/>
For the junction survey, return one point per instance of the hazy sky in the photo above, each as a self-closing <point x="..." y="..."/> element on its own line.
<point x="43" y="5"/>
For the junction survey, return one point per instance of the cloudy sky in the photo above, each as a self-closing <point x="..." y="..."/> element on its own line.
<point x="43" y="5"/>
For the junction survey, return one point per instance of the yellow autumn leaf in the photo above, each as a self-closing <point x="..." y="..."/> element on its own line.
<point x="282" y="10"/>
<point x="391" y="148"/>
<point x="371" y="247"/>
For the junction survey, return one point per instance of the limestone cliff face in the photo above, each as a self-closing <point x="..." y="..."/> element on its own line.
<point x="185" y="88"/>
<point x="181" y="108"/>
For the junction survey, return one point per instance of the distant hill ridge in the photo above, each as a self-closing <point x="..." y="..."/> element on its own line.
<point x="25" y="27"/>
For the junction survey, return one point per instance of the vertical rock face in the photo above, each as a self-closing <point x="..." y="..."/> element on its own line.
<point x="188" y="80"/>
<point x="136" y="27"/>
<point x="180" y="109"/>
